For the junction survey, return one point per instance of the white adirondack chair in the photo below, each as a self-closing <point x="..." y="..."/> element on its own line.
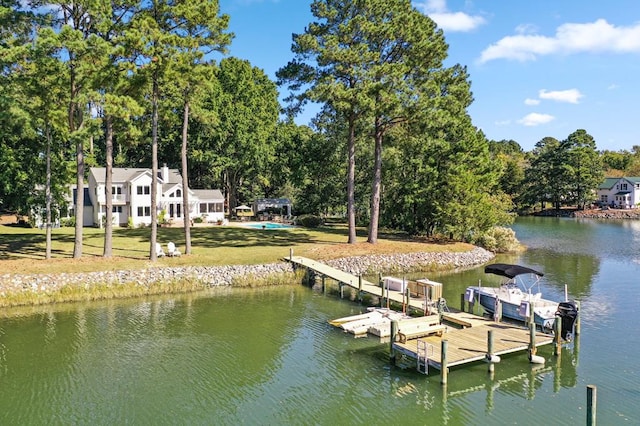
<point x="172" y="250"/>
<point x="159" y="251"/>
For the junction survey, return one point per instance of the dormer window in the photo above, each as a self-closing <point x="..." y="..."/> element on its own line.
<point x="178" y="193"/>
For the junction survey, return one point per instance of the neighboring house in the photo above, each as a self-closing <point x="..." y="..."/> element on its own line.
<point x="131" y="197"/>
<point x="282" y="205"/>
<point x="621" y="192"/>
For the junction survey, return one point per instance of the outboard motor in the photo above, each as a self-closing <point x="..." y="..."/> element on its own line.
<point x="568" y="311"/>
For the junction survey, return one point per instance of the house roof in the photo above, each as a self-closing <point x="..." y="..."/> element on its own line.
<point x="208" y="194"/>
<point x="608" y="183"/>
<point x="128" y="174"/>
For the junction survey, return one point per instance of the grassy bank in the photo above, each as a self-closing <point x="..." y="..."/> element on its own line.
<point x="22" y="250"/>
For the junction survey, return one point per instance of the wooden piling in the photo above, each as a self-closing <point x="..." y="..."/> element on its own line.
<point x="576" y="326"/>
<point x="591" y="405"/>
<point x="444" y="369"/>
<point x="290" y="254"/>
<point x="497" y="315"/>
<point x="557" y="338"/>
<point x="394" y="333"/>
<point x="532" y="340"/>
<point x="490" y="350"/>
<point x="462" y="302"/>
<point x="324" y="287"/>
<point x="360" y="287"/>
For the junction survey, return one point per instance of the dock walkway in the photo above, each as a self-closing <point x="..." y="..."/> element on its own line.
<point x="356" y="282"/>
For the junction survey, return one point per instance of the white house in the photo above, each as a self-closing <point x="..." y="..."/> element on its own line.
<point x="131" y="197"/>
<point x="621" y="192"/>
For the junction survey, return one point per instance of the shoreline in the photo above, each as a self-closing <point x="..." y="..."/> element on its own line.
<point x="15" y="285"/>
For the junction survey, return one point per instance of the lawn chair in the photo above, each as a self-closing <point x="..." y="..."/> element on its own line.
<point x="159" y="251"/>
<point x="172" y="251"/>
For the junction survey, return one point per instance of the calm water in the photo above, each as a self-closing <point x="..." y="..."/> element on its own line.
<point x="268" y="356"/>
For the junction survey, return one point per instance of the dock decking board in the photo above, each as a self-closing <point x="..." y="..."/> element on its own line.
<point x="470" y="344"/>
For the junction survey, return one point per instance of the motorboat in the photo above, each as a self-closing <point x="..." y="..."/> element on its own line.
<point x="518" y="295"/>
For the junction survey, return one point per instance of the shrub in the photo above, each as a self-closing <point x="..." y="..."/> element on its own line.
<point x="130" y="222"/>
<point x="68" y="222"/>
<point x="198" y="219"/>
<point x="499" y="240"/>
<point x="310" y="221"/>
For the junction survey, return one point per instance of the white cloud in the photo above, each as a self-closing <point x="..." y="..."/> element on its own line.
<point x="598" y="36"/>
<point x="613" y="86"/>
<point x="448" y="21"/>
<point x="535" y="119"/>
<point x="530" y="101"/>
<point x="571" y="96"/>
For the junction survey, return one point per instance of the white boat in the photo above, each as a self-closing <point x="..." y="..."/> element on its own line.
<point x="517" y="297"/>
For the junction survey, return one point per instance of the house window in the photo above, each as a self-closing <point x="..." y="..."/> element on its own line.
<point x="624" y="186"/>
<point x="144" y="211"/>
<point x="214" y="207"/>
<point x="203" y="207"/>
<point x="178" y="193"/>
<point x="144" y="190"/>
<point x="171" y="195"/>
<point x="116" y="190"/>
<point x="116" y="209"/>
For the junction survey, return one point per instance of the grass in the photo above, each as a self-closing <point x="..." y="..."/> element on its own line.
<point x="22" y="250"/>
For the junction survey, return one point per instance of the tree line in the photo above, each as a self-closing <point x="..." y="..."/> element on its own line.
<point x="124" y="83"/>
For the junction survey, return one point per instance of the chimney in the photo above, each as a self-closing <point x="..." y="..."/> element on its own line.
<point x="165" y="173"/>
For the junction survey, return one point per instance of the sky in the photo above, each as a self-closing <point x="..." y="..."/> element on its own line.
<point x="538" y="68"/>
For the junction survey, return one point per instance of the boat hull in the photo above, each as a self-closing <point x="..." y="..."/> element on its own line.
<point x="513" y="310"/>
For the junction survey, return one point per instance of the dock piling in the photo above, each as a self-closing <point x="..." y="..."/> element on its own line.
<point x="491" y="358"/>
<point x="576" y="326"/>
<point x="444" y="369"/>
<point x="394" y="333"/>
<point x="591" y="405"/>
<point x="557" y="338"/>
<point x="533" y="358"/>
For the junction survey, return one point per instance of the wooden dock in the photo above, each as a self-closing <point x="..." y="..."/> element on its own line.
<point x="358" y="283"/>
<point x="470" y="344"/>
<point x="466" y="335"/>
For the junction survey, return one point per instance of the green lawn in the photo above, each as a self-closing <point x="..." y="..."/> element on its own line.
<point x="22" y="250"/>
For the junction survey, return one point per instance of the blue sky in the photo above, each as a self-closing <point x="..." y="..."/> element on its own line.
<point x="537" y="68"/>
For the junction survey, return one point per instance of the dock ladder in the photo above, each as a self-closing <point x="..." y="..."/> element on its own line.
<point x="423" y="351"/>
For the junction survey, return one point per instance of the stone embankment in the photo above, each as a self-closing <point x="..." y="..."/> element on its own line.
<point x="406" y="262"/>
<point x="224" y="275"/>
<point x="608" y="214"/>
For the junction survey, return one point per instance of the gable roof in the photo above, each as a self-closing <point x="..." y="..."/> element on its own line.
<point x="128" y="174"/>
<point x="608" y="183"/>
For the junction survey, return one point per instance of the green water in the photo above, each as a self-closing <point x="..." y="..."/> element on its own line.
<point x="268" y="356"/>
